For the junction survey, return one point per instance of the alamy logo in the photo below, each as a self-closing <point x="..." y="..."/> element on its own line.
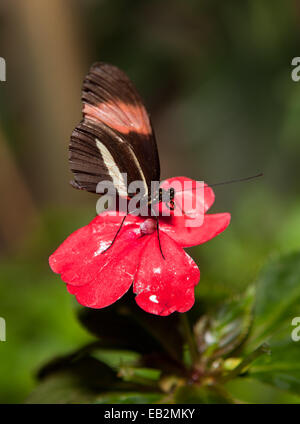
<point x="2" y="330"/>
<point x="183" y="198"/>
<point x="295" y="74"/>
<point x="296" y="332"/>
<point x="2" y="69"/>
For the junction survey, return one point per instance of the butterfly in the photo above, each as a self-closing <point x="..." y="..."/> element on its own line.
<point x="115" y="137"/>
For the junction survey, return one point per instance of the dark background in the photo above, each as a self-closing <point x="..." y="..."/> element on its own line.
<point x="216" y="78"/>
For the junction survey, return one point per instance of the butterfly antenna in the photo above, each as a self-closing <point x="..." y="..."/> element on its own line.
<point x="239" y="180"/>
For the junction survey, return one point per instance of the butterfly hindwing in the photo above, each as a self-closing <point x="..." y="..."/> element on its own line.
<point x="115" y="135"/>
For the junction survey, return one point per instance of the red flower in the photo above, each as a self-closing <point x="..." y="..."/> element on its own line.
<point x="162" y="285"/>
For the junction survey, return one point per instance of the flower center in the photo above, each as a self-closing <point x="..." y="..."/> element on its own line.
<point x="148" y="226"/>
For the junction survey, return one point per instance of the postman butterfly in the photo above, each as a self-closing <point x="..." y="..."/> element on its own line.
<point x="115" y="137"/>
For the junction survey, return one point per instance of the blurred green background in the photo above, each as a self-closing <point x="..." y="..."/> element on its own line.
<point x="216" y="77"/>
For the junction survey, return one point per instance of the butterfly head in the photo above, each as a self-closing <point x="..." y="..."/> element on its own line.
<point x="167" y="197"/>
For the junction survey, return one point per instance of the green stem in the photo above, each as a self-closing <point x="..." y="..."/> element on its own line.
<point x="189" y="337"/>
<point x="261" y="350"/>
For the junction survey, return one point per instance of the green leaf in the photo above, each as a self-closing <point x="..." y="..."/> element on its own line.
<point x="116" y="358"/>
<point x="127" y="364"/>
<point x="61" y="388"/>
<point x="277" y="303"/>
<point x="227" y="329"/>
<point x="65" y="388"/>
<point x="282" y="368"/>
<point x="129" y="398"/>
<point x="277" y="297"/>
<point x="74" y="378"/>
<point x="91" y="374"/>
<point x="201" y="395"/>
<point x="251" y="390"/>
<point x="126" y="326"/>
<point x="144" y="373"/>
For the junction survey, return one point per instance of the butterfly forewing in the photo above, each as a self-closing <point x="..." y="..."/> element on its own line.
<point x="115" y="135"/>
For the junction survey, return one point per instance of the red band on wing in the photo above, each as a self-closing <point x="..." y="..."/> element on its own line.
<point x="119" y="116"/>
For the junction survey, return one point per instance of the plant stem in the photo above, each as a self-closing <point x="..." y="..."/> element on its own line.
<point x="261" y="350"/>
<point x="189" y="338"/>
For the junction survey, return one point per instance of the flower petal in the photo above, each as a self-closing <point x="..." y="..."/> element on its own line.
<point x="114" y="279"/>
<point x="176" y="228"/>
<point x="188" y="224"/>
<point x="79" y="257"/>
<point x="188" y="188"/>
<point x="165" y="285"/>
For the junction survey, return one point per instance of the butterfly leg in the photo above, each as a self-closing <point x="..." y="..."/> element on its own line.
<point x="116" y="235"/>
<point x="157" y="228"/>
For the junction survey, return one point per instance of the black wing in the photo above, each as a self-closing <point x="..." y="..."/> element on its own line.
<point x="115" y="135"/>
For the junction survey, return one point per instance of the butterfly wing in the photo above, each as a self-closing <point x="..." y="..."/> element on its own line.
<point x="115" y="135"/>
